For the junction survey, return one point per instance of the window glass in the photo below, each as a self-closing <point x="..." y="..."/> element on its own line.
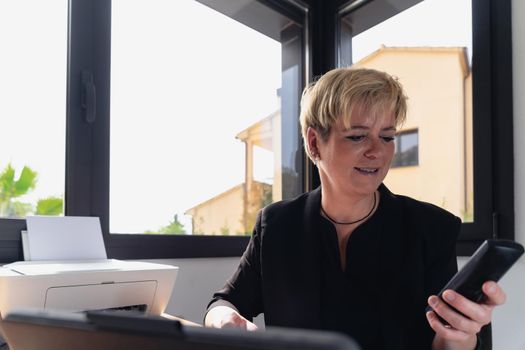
<point x="406" y="153"/>
<point x="33" y="63"/>
<point x="198" y="102"/>
<point x="428" y="47"/>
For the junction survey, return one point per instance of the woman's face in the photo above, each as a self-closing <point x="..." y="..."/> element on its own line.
<point x="355" y="161"/>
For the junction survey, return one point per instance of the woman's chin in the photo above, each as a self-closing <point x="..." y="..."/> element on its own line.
<point x="367" y="181"/>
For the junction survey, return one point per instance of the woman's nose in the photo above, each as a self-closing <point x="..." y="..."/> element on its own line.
<point x="374" y="149"/>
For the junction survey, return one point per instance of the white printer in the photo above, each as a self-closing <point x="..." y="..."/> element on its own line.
<point x="86" y="284"/>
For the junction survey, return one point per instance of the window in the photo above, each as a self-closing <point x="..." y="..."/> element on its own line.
<point x="407" y="146"/>
<point x="445" y="68"/>
<point x="176" y="149"/>
<point x="186" y="146"/>
<point x="33" y="94"/>
<point x="33" y="67"/>
<point x="121" y="89"/>
<point x="161" y="118"/>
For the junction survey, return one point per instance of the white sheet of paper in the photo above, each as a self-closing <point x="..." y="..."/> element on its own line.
<point x="65" y="238"/>
<point x="25" y="245"/>
<point x="69" y="266"/>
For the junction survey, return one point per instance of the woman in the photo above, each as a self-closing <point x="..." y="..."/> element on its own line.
<point x="351" y="256"/>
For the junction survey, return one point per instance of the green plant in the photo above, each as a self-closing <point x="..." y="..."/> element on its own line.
<point x="11" y="188"/>
<point x="50" y="206"/>
<point x="259" y="196"/>
<point x="225" y="229"/>
<point x="467" y="216"/>
<point x="175" y="227"/>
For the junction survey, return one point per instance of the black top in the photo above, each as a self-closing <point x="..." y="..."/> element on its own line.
<point x="283" y="272"/>
<point x="349" y="298"/>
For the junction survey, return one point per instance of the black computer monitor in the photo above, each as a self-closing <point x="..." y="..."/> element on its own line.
<point x="51" y="330"/>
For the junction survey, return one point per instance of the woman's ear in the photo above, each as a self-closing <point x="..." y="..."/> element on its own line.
<point x="312" y="139"/>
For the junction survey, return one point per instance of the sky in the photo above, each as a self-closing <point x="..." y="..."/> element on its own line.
<point x="33" y="64"/>
<point x="185" y="81"/>
<point x="428" y="23"/>
<point x="199" y="84"/>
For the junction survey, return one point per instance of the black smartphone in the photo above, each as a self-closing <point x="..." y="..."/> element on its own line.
<point x="488" y="263"/>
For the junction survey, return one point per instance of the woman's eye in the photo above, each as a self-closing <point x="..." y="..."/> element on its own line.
<point x="355" y="138"/>
<point x="388" y="138"/>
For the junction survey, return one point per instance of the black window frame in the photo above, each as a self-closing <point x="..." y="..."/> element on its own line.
<point x="87" y="151"/>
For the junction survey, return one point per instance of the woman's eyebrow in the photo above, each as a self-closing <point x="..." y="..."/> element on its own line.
<point x="362" y="127"/>
<point x="359" y="127"/>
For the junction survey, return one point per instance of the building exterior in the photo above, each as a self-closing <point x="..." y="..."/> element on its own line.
<point x="234" y="211"/>
<point x="433" y="148"/>
<point x="437" y="81"/>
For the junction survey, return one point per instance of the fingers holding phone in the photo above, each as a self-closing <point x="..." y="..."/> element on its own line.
<point x="494" y="294"/>
<point x="457" y="320"/>
<point x="461" y="313"/>
<point x="467" y="301"/>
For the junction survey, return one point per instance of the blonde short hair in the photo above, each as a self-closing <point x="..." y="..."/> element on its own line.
<point x="340" y="91"/>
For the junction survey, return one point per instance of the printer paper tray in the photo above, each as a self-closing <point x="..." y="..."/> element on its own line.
<point x="101" y="296"/>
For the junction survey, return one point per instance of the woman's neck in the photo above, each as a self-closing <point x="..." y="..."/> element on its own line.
<point x="346" y="208"/>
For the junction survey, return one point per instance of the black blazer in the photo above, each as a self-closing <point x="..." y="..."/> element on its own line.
<point x="279" y="272"/>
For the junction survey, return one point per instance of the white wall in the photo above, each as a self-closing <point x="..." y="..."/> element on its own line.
<point x="518" y="67"/>
<point x="509" y="319"/>
<point x="198" y="278"/>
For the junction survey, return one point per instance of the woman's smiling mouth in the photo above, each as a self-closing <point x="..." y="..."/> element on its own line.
<point x="367" y="171"/>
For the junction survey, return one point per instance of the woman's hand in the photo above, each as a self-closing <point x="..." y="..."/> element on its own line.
<point x="226" y="317"/>
<point x="460" y="333"/>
